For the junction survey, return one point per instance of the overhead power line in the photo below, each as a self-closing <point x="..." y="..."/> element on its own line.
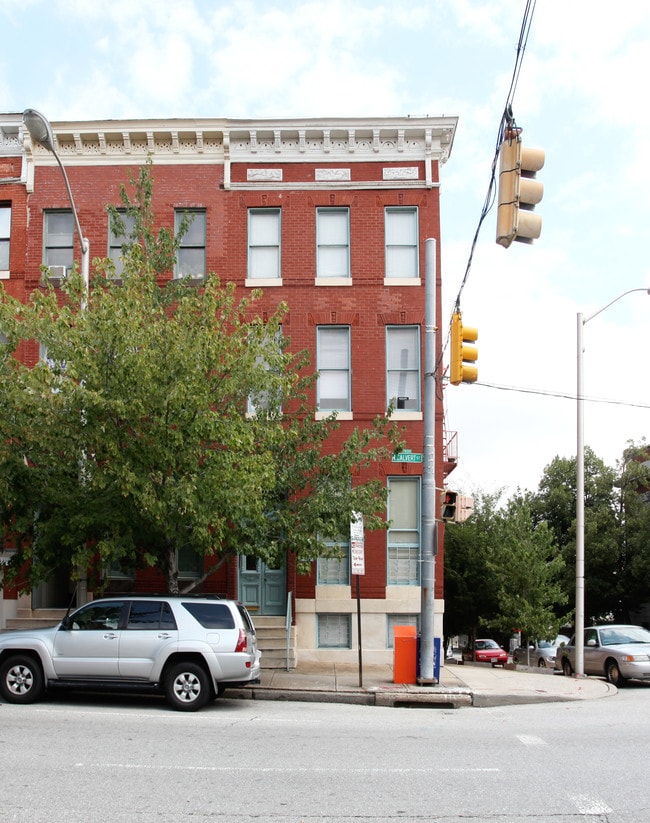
<point x="563" y="395"/>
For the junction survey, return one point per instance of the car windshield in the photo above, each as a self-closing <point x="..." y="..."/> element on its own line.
<point x="624" y="634"/>
<point x="545" y="644"/>
<point x="487" y="644"/>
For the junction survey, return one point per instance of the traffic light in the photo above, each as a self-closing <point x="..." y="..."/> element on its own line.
<point x="448" y="505"/>
<point x="463" y="355"/>
<point x="519" y="191"/>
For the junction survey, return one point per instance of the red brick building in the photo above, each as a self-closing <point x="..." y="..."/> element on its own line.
<point x="328" y="215"/>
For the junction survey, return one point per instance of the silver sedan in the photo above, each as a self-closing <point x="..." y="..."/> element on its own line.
<point x="616" y="652"/>
<point x="540" y="653"/>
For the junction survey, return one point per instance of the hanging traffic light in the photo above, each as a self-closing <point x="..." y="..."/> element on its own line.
<point x="448" y="506"/>
<point x="463" y="355"/>
<point x="519" y="191"/>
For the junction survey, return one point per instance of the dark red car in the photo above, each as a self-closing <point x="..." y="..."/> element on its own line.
<point x="485" y="651"/>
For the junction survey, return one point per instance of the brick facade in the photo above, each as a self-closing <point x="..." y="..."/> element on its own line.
<point x="228" y="168"/>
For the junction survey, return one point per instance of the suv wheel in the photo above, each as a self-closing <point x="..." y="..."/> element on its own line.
<point x="21" y="679"/>
<point x="187" y="687"/>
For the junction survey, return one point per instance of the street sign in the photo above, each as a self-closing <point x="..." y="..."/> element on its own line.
<point x="357" y="555"/>
<point x="407" y="456"/>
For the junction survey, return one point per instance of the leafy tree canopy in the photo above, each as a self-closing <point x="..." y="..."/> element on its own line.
<point x="134" y="439"/>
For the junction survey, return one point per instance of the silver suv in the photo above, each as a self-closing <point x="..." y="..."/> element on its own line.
<point x="189" y="648"/>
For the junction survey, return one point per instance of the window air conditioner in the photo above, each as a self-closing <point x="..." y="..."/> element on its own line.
<point x="57" y="272"/>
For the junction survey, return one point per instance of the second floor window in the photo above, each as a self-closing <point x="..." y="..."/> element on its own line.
<point x="401" y="231"/>
<point x="333" y="242"/>
<point x="5" y="235"/>
<point x="264" y="244"/>
<point x="333" y="365"/>
<point x="58" y="240"/>
<point x="403" y="367"/>
<point x="191" y="253"/>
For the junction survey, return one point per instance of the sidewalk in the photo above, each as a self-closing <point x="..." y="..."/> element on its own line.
<point x="473" y="684"/>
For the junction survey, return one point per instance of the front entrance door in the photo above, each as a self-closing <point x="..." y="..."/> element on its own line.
<point x="262" y="589"/>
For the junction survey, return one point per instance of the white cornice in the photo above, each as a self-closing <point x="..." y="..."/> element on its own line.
<point x="251" y="141"/>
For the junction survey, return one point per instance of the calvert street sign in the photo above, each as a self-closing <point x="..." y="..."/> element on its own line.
<point x="407" y="456"/>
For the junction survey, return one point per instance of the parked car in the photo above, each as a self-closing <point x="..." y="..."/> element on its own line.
<point x="485" y="651"/>
<point x="540" y="653"/>
<point x="189" y="648"/>
<point x="615" y="652"/>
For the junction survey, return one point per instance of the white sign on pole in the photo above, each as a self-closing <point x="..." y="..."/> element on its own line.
<point x="357" y="556"/>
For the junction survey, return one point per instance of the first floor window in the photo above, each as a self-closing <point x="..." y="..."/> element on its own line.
<point x="333" y="365"/>
<point x="264" y="244"/>
<point x="5" y="235"/>
<point x="393" y="620"/>
<point x="191" y="252"/>
<point x="403" y="536"/>
<point x="401" y="232"/>
<point x="335" y="571"/>
<point x="58" y="236"/>
<point x="334" y="631"/>
<point x="403" y="367"/>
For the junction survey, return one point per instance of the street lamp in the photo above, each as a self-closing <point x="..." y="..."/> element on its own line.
<point x="40" y="131"/>
<point x="580" y="491"/>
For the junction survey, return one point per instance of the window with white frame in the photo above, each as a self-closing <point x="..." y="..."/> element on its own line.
<point x="334" y="631"/>
<point x="401" y="233"/>
<point x="333" y="242"/>
<point x="403" y="367"/>
<point x="264" y="244"/>
<point x="335" y="570"/>
<point x="5" y="235"/>
<point x="117" y="241"/>
<point x="265" y="399"/>
<point x="333" y="366"/>
<point x="58" y="241"/>
<point x="190" y="260"/>
<point x="403" y="537"/>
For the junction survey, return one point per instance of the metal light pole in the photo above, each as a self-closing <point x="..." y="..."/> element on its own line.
<point x="580" y="489"/>
<point x="429" y="497"/>
<point x="40" y="131"/>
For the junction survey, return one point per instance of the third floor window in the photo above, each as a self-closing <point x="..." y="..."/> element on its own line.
<point x="58" y="241"/>
<point x="5" y="235"/>
<point x="191" y="253"/>
<point x="333" y="242"/>
<point x="264" y="244"/>
<point x="401" y="232"/>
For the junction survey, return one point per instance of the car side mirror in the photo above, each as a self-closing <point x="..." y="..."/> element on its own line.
<point x="66" y="623"/>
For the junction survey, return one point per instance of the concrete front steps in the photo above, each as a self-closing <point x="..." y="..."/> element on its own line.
<point x="272" y="641"/>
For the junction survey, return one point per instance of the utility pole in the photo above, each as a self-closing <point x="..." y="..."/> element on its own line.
<point x="429" y="532"/>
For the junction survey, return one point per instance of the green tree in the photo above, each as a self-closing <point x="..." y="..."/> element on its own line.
<point x="555" y="504"/>
<point x="502" y="571"/>
<point x="471" y="585"/>
<point x="132" y="441"/>
<point x="527" y="567"/>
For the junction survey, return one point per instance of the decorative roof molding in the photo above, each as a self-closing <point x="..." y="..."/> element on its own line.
<point x="251" y="140"/>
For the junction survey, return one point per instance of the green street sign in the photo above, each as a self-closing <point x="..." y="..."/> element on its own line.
<point x="407" y="456"/>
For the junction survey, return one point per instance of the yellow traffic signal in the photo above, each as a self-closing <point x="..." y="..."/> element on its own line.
<point x="519" y="191"/>
<point x="463" y="356"/>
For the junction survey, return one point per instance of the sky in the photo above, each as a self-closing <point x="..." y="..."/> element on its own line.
<point x="580" y="96"/>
